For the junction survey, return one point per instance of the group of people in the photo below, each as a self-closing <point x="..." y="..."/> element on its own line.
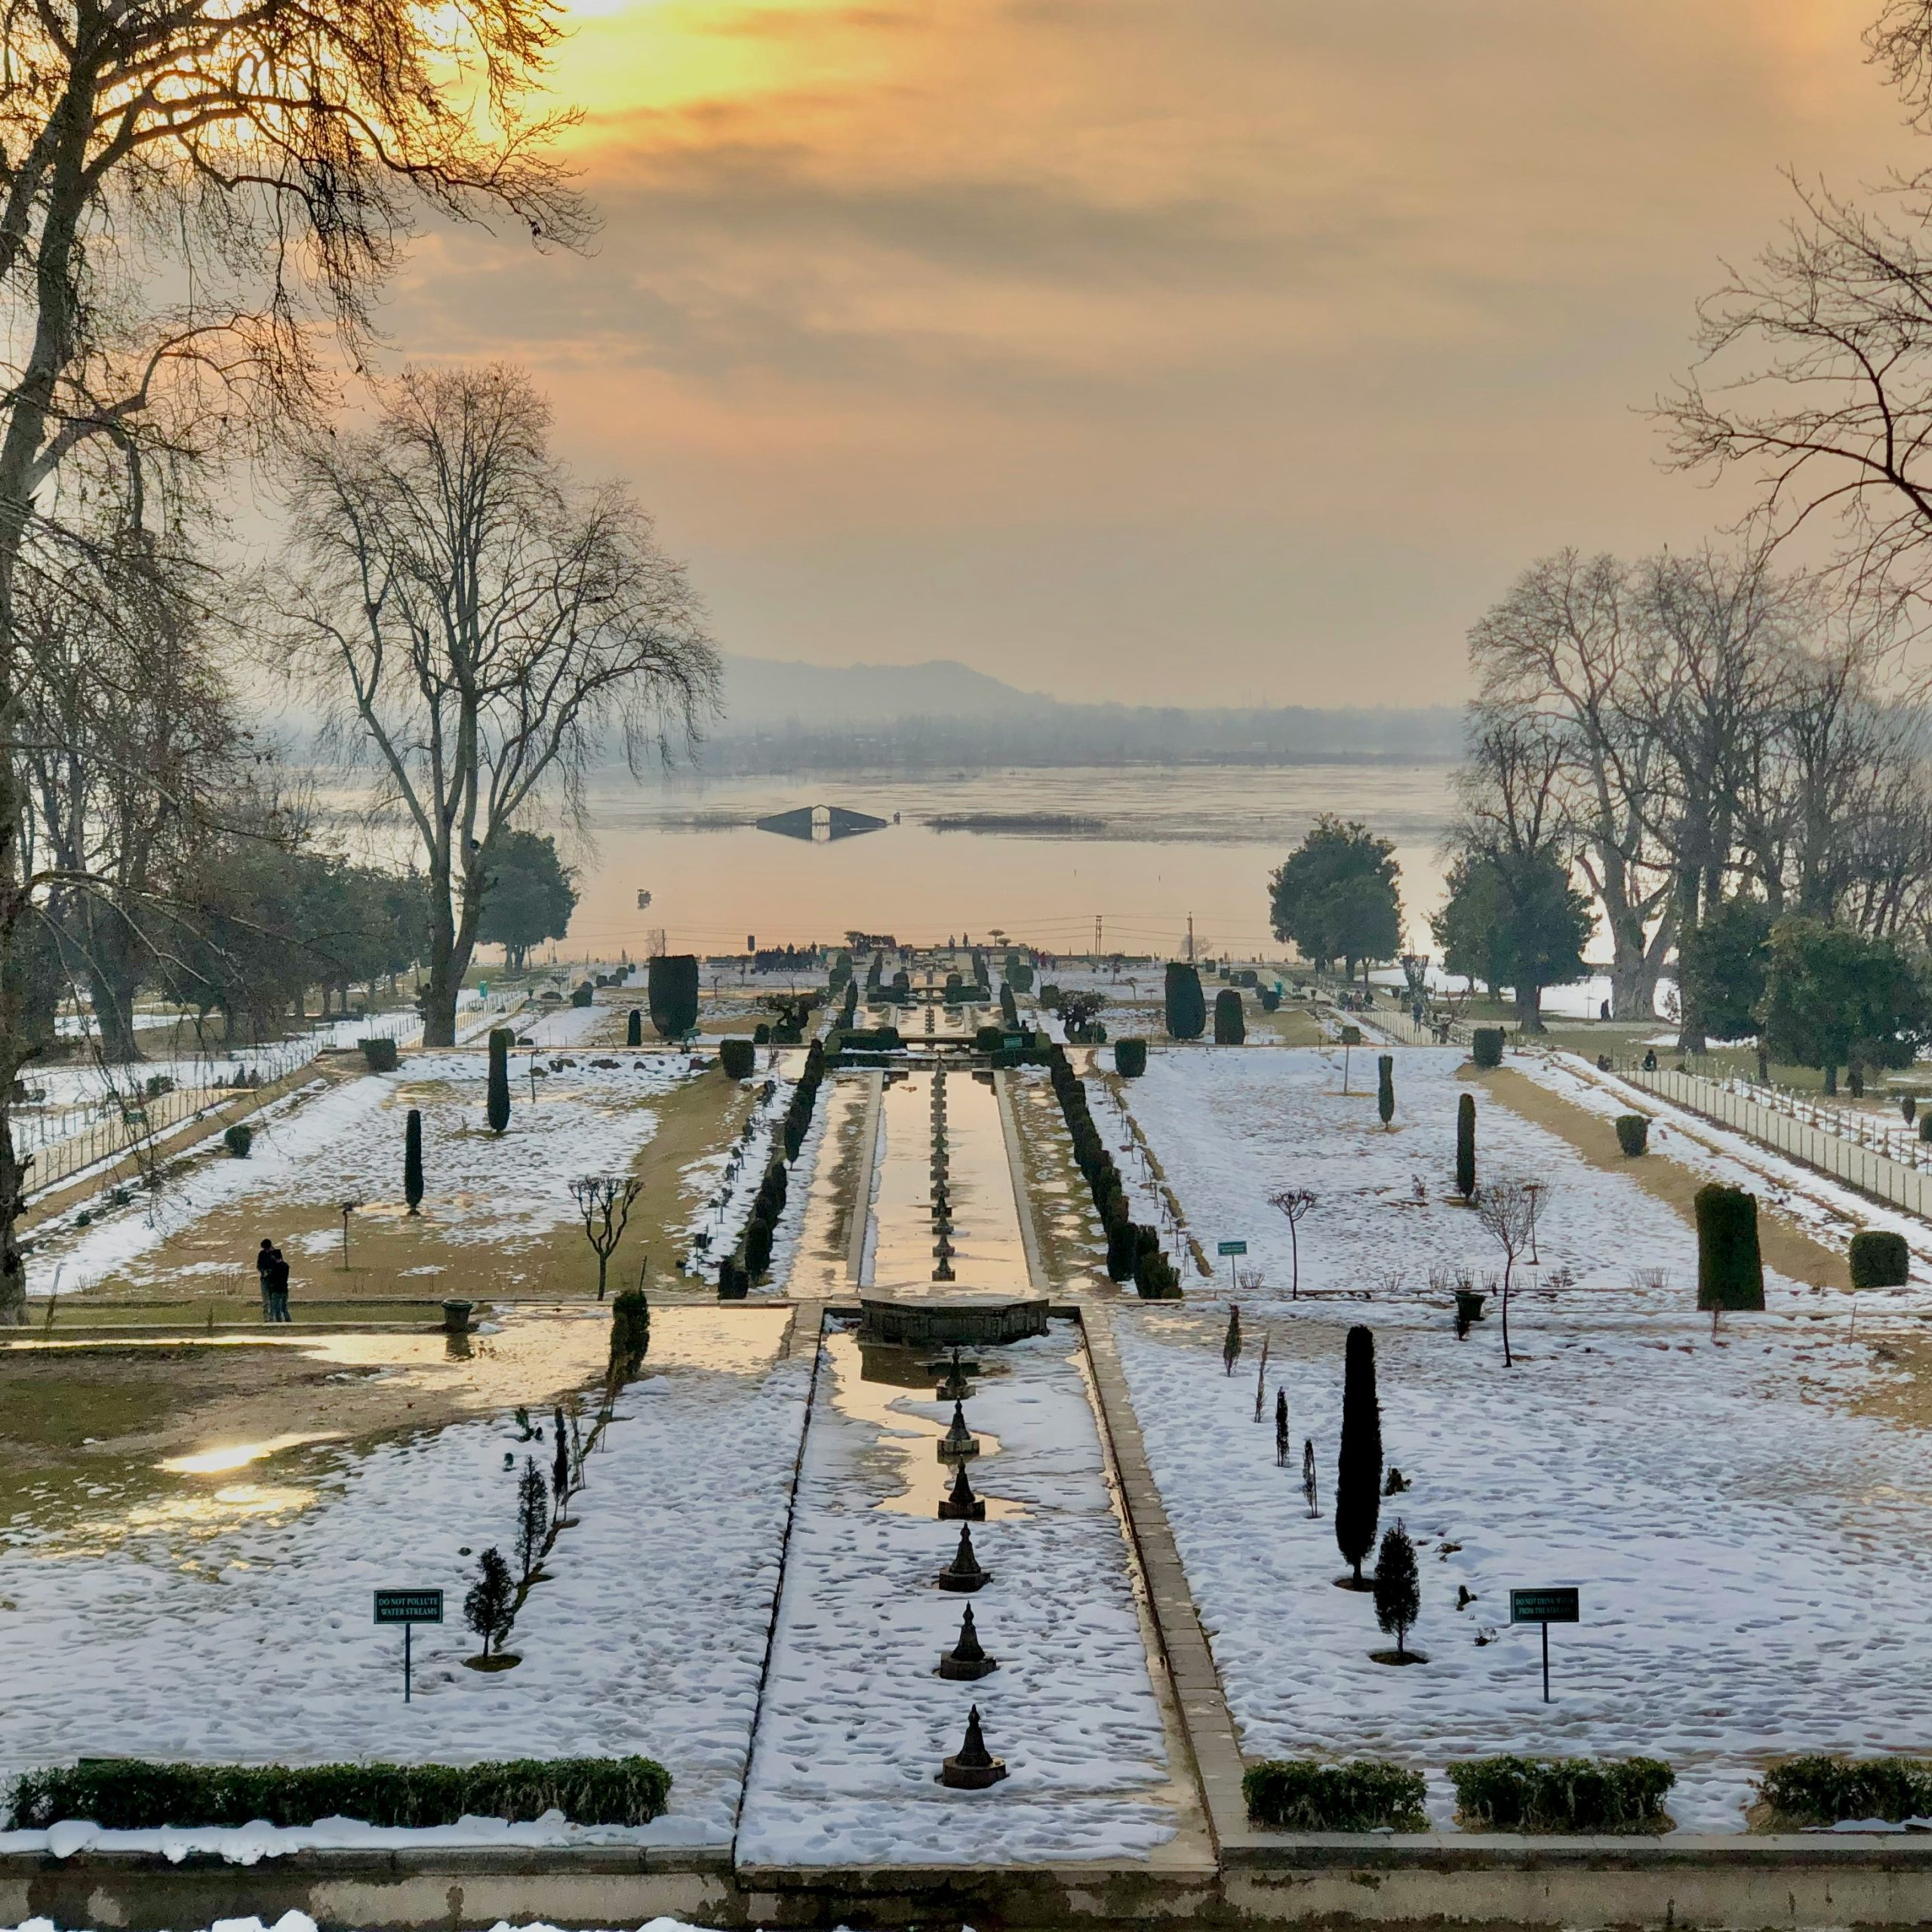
<point x="274" y="1272"/>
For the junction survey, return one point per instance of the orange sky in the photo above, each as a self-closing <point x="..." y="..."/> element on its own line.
<point x="1200" y="351"/>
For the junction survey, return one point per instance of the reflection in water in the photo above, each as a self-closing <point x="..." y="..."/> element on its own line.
<point x="535" y="1356"/>
<point x="236" y="1455"/>
<point x="882" y="1398"/>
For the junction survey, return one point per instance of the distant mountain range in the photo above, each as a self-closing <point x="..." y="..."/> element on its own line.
<point x="790" y="716"/>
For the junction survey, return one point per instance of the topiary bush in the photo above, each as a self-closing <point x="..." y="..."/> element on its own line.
<point x="671" y="993"/>
<point x="1879" y="1260"/>
<point x="1823" y="1790"/>
<point x="239" y="1138"/>
<point x="1730" y="1271"/>
<point x="634" y="1027"/>
<point x="1486" y="1046"/>
<point x="1466" y="1147"/>
<point x="583" y="994"/>
<point x="1130" y="1058"/>
<point x="1186" y="1006"/>
<point x="379" y="1053"/>
<point x="126" y="1794"/>
<point x="1154" y="1276"/>
<point x="1271" y="999"/>
<point x="1633" y="1134"/>
<point x="1510" y="1794"/>
<point x="737" y="1057"/>
<point x="757" y="1246"/>
<point x="497" y="1108"/>
<point x="1385" y="1088"/>
<point x="1298" y="1794"/>
<point x="630" y="1333"/>
<point x="412" y="1159"/>
<point x="1230" y="1029"/>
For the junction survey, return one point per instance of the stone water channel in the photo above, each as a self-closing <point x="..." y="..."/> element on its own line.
<point x="855" y="1720"/>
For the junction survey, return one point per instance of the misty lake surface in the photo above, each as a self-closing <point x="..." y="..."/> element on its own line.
<point x="1044" y="852"/>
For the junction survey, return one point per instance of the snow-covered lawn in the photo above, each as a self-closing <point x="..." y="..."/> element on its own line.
<point x="344" y="1142"/>
<point x="1749" y="1546"/>
<point x="234" y="1625"/>
<point x="856" y="1722"/>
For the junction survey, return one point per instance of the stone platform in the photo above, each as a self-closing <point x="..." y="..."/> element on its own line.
<point x="953" y="1321"/>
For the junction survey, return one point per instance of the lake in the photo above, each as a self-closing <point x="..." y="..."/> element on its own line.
<point x="1141" y="848"/>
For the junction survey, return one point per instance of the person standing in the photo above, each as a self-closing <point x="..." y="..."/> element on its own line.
<point x="278" y="1285"/>
<point x="265" y="1275"/>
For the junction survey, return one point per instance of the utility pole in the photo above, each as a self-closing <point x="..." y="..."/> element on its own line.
<point x="1096" y="938"/>
<point x="1190" y="938"/>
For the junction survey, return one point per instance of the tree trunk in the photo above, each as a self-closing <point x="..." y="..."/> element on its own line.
<point x="1529" y="1010"/>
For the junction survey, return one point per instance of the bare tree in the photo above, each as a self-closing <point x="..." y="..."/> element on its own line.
<point x="1506" y="1210"/>
<point x="1295" y="1204"/>
<point x="1568" y="647"/>
<point x="186" y="190"/>
<point x="477" y="621"/>
<point x="605" y="1201"/>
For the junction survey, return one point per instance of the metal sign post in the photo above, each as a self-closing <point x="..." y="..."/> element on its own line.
<point x="1557" y="1604"/>
<point x="1231" y="1249"/>
<point x="409" y="1608"/>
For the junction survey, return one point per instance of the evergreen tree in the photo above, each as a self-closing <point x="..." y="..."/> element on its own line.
<point x="630" y="1333"/>
<point x="634" y="1027"/>
<point x="1398" y="1587"/>
<point x="1230" y="1344"/>
<point x="412" y="1159"/>
<point x="1336" y="897"/>
<point x="487" y="1608"/>
<point x="1465" y="1146"/>
<point x="560" y="1468"/>
<point x="498" y="1111"/>
<point x="527" y="897"/>
<point x="1186" y="1006"/>
<point x="1309" y="1487"/>
<point x="1358" y="1470"/>
<point x="1385" y="1091"/>
<point x="1230" y="1028"/>
<point x="1281" y="1429"/>
<point x="532" y="1517"/>
<point x="672" y="985"/>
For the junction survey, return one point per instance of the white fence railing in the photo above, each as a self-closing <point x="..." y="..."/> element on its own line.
<point x="1868" y="1154"/>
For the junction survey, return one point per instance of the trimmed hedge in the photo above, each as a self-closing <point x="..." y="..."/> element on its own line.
<point x="1633" y="1134"/>
<point x="1510" y="1794"/>
<point x="758" y="1247"/>
<point x="1298" y="1794"/>
<point x="1130" y="1058"/>
<point x="238" y="1139"/>
<point x="1879" y="1260"/>
<point x="738" y="1058"/>
<point x="1230" y="1028"/>
<point x="1821" y="1790"/>
<point x="129" y="1795"/>
<point x="1731" y="1270"/>
<point x="671" y="989"/>
<point x="1486" y="1046"/>
<point x="1186" y="1005"/>
<point x="379" y="1053"/>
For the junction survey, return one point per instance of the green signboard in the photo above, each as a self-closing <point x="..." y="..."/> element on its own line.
<point x="409" y="1606"/>
<point x="1545" y="1606"/>
<point x="1231" y="1247"/>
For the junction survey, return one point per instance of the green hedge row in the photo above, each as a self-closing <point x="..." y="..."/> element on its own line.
<point x="127" y="1794"/>
<point x="1825" y="1791"/>
<point x="1297" y="1794"/>
<point x="1562" y="1794"/>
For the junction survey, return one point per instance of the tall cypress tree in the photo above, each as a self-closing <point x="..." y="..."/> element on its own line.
<point x="412" y="1160"/>
<point x="1359" y="1471"/>
<point x="1385" y="1091"/>
<point x="1465" y="1146"/>
<point x="499" y="1110"/>
<point x="1281" y="1429"/>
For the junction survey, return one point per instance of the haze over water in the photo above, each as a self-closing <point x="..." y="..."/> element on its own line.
<point x="1164" y="842"/>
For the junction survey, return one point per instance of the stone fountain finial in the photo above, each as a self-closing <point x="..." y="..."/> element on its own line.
<point x="958" y="1442"/>
<point x="973" y="1767"/>
<point x="962" y="1505"/>
<point x="963" y="1574"/>
<point x="967" y="1662"/>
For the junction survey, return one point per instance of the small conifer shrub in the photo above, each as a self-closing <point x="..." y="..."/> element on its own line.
<point x="412" y="1159"/>
<point x="1730" y="1271"/>
<point x="1486" y="1046"/>
<point x="1633" y="1134"/>
<point x="1465" y="1146"/>
<point x="1230" y="1029"/>
<point x="1879" y="1260"/>
<point x="238" y="1139"/>
<point x="738" y="1057"/>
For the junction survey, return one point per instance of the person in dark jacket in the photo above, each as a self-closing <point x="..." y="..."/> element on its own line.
<point x="279" y="1288"/>
<point x="265" y="1273"/>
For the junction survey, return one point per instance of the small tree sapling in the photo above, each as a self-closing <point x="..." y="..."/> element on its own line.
<point x="487" y="1609"/>
<point x="1294" y="1203"/>
<point x="1507" y="1211"/>
<point x="1231" y="1341"/>
<point x="605" y="1201"/>
<point x="1398" y="1587"/>
<point x="533" y="1517"/>
<point x="1310" y="1488"/>
<point x="1281" y="1429"/>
